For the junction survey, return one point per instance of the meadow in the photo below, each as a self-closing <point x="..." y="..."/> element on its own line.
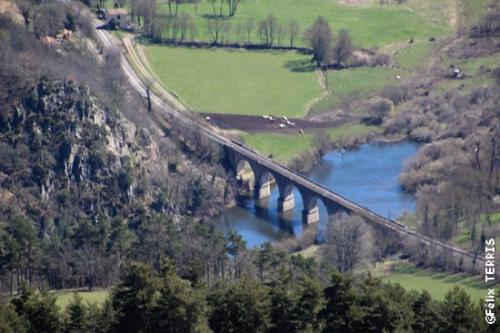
<point x="436" y="283"/>
<point x="282" y="147"/>
<point x="370" y="25"/>
<point x="414" y="55"/>
<point x="350" y="83"/>
<point x="285" y="147"/>
<point x="237" y="82"/>
<point x="65" y="297"/>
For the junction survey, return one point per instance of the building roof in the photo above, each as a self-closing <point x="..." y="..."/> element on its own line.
<point x="116" y="11"/>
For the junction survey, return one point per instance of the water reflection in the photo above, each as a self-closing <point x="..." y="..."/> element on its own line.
<point x="368" y="175"/>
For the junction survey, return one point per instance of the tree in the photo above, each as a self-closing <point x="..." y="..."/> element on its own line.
<point x="232" y="6"/>
<point x="235" y="246"/>
<point x="293" y="31"/>
<point x="345" y="236"/>
<point x="39" y="310"/>
<point x="10" y="322"/>
<point x="77" y="315"/>
<point x="133" y="298"/>
<point x="340" y="298"/>
<point x="320" y="38"/>
<point x="283" y="303"/>
<point x="249" y="27"/>
<point x="426" y="318"/>
<point x="458" y="311"/>
<point x="267" y="30"/>
<point x="49" y="20"/>
<point x="237" y="308"/>
<point x="343" y="47"/>
<point x="215" y="28"/>
<point x="179" y="308"/>
<point x="374" y="311"/>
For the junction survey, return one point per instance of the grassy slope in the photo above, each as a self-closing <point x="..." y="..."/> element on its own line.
<point x="236" y="82"/>
<point x="436" y="283"/>
<point x="370" y="26"/>
<point x="93" y="297"/>
<point x="283" y="147"/>
<point x="354" y="82"/>
<point x="414" y="55"/>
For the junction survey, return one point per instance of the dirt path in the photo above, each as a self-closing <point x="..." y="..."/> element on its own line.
<point x="325" y="92"/>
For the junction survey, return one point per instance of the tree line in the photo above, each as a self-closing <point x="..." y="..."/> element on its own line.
<point x="292" y="300"/>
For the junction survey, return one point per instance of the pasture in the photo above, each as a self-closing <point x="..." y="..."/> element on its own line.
<point x="370" y="25"/>
<point x="237" y="82"/>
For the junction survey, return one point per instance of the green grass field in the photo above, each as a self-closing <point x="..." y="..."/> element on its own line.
<point x="63" y="298"/>
<point x="436" y="283"/>
<point x="370" y="25"/>
<point x="283" y="147"/>
<point x="350" y="83"/>
<point x="237" y="82"/>
<point x="414" y="55"/>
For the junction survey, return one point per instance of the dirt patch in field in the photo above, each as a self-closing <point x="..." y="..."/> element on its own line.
<point x="276" y="124"/>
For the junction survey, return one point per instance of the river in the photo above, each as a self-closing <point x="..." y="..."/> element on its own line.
<point x="368" y="175"/>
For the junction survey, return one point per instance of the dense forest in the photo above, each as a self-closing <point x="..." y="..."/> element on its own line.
<point x="94" y="194"/>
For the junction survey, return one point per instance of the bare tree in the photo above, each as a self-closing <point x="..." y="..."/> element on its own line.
<point x="148" y="84"/>
<point x="232" y="6"/>
<point x="280" y="34"/>
<point x="49" y="20"/>
<point x="320" y="38"/>
<point x="215" y="27"/>
<point x="346" y="241"/>
<point x="184" y="23"/>
<point x="212" y="2"/>
<point x="293" y="31"/>
<point x="267" y="30"/>
<point x="343" y="47"/>
<point x="226" y="28"/>
<point x="249" y="27"/>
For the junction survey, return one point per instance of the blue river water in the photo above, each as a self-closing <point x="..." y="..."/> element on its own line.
<point x="368" y="175"/>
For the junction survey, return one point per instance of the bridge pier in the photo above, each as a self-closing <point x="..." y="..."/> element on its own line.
<point x="310" y="216"/>
<point x="286" y="203"/>
<point x="263" y="190"/>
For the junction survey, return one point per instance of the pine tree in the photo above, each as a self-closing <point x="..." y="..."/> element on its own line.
<point x="77" y="315"/>
<point x="458" y="311"/>
<point x="426" y="314"/>
<point x="133" y="298"/>
<point x="340" y="299"/>
<point x="179" y="308"/>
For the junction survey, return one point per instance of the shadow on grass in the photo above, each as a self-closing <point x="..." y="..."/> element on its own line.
<point x="300" y="66"/>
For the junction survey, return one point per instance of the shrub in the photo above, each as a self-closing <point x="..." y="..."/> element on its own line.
<point x="396" y="94"/>
<point x="377" y="109"/>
